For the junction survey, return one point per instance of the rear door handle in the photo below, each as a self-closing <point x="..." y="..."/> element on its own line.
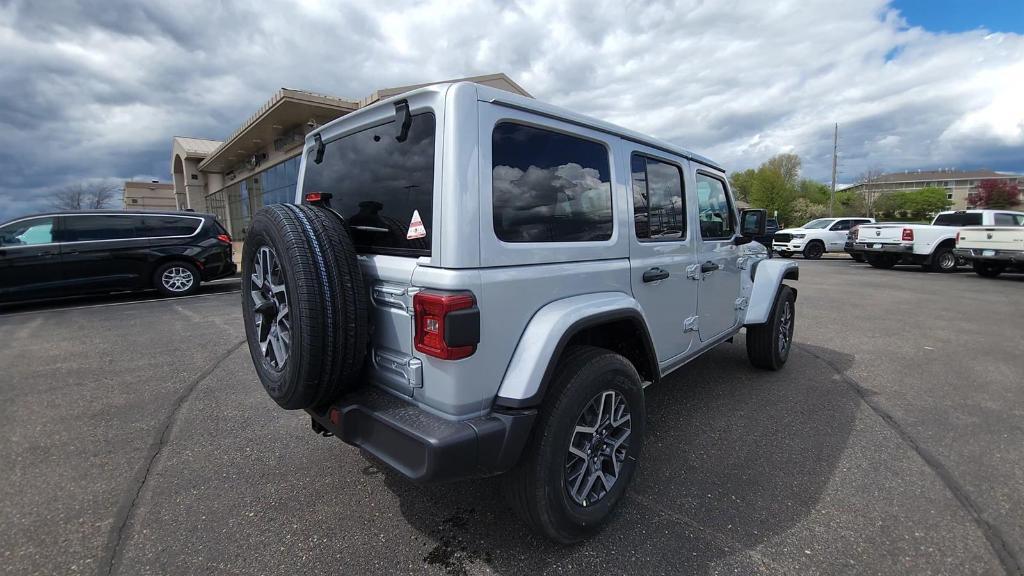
<point x="708" y="266"/>
<point x="655" y="274"/>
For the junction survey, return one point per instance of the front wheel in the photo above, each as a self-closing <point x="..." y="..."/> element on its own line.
<point x="988" y="269"/>
<point x="814" y="250"/>
<point x="584" y="447"/>
<point x="769" y="344"/>
<point x="176" y="279"/>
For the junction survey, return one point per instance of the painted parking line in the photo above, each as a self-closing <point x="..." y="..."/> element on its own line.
<point x="111" y="304"/>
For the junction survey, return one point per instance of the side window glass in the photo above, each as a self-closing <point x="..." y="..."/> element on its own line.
<point x="716" y="218"/>
<point x="1005" y="220"/>
<point x="1020" y="219"/>
<point x="27" y="232"/>
<point x="549" y="187"/>
<point x="841" y="225"/>
<point x="85" y="228"/>
<point x="659" y="210"/>
<point x="158" y="226"/>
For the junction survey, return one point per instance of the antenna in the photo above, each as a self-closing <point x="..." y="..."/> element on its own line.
<point x="835" y="157"/>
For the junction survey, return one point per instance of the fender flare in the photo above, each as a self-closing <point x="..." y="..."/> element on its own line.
<point x="550" y="330"/>
<point x="768" y="276"/>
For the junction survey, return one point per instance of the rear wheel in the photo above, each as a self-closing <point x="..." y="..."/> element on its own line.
<point x="988" y="269"/>
<point x="584" y="446"/>
<point x="943" y="260"/>
<point x="303" y="304"/>
<point x="769" y="344"/>
<point x="176" y="279"/>
<point x="883" y="261"/>
<point x="814" y="250"/>
<point x="857" y="257"/>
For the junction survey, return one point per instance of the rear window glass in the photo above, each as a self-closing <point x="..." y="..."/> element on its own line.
<point x="658" y="204"/>
<point x="549" y="187"/>
<point x="89" y="227"/>
<point x="958" y="219"/>
<point x="380" y="185"/>
<point x="157" y="226"/>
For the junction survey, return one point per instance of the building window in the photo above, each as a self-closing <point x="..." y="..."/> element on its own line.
<point x="949" y="195"/>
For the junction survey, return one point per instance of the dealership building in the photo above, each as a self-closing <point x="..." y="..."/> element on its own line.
<point x="259" y="163"/>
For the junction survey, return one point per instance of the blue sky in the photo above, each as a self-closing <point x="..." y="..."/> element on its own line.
<point x="961" y="15"/>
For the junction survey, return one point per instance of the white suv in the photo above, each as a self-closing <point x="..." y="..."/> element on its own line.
<point x="816" y="237"/>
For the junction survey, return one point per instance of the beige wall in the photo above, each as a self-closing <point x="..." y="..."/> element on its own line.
<point x="149" y="196"/>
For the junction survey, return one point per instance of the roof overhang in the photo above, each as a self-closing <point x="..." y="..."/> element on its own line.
<point x="284" y="112"/>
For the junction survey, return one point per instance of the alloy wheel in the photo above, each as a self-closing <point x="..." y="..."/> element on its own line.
<point x="947" y="261"/>
<point x="270" y="308"/>
<point x="597" y="448"/>
<point x="177" y="279"/>
<point x="785" y="328"/>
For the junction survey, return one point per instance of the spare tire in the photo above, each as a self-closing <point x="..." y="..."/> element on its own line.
<point x="304" y="304"/>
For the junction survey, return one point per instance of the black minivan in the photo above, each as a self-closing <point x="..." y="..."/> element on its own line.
<point x="69" y="253"/>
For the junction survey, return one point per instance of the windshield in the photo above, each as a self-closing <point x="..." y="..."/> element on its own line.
<point x="384" y="188"/>
<point x="819" y="223"/>
<point x="958" y="219"/>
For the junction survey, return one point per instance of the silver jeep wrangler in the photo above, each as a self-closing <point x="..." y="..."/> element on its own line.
<point x="474" y="283"/>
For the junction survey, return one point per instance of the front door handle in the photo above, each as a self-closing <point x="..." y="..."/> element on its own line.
<point x="708" y="266"/>
<point x="655" y="274"/>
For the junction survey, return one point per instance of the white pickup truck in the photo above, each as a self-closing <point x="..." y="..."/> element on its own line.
<point x="886" y="245"/>
<point x="993" y="249"/>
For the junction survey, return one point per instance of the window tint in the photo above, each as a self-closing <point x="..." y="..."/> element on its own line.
<point x="840" y="226"/>
<point x="101" y="227"/>
<point x="549" y="187"/>
<point x="27" y="232"/>
<point x="378" y="183"/>
<point x="1005" y="220"/>
<point x="170" y="226"/>
<point x="958" y="219"/>
<point x="716" y="218"/>
<point x="658" y="203"/>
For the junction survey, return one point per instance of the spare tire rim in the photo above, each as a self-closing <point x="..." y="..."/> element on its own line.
<point x="271" y="312"/>
<point x="785" y="327"/>
<point x="597" y="448"/>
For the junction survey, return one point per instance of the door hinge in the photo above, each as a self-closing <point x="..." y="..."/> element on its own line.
<point x="741" y="303"/>
<point x="691" y="324"/>
<point x="693" y="271"/>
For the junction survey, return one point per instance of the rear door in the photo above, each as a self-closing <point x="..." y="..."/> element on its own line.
<point x="717" y="256"/>
<point x="662" y="251"/>
<point x="105" y="252"/>
<point x="30" y="258"/>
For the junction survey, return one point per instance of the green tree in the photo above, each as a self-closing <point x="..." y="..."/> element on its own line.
<point x="803" y="210"/>
<point x="788" y="166"/>
<point x="771" y="192"/>
<point x="848" y="203"/>
<point x="742" y="183"/>
<point x="815" y="192"/>
<point x="926" y="202"/>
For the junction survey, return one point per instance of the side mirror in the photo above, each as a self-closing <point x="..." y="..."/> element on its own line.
<point x="753" y="222"/>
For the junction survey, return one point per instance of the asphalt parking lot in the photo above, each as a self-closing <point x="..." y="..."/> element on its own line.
<point x="136" y="440"/>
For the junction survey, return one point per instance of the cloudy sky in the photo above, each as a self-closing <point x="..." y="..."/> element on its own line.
<point x="96" y="89"/>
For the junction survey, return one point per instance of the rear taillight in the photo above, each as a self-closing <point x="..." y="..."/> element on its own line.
<point x="908" y="235"/>
<point x="224" y="238"/>
<point x="447" y="324"/>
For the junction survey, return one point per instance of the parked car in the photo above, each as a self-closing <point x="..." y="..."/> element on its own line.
<point x="851" y="248"/>
<point x="511" y="302"/>
<point x="816" y="237"/>
<point x="929" y="245"/>
<point x="993" y="250"/>
<point x="70" y="253"/>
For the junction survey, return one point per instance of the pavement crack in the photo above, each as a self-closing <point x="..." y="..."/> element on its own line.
<point x="115" y="541"/>
<point x="1012" y="565"/>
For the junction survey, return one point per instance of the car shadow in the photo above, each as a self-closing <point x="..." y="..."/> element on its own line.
<point x="733" y="455"/>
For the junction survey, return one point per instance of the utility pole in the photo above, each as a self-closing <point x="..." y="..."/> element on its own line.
<point x="835" y="157"/>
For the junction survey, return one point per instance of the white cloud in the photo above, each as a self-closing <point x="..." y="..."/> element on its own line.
<point x="96" y="89"/>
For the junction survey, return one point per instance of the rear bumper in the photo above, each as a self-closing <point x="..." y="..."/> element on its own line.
<point x="1011" y="256"/>
<point x="884" y="248"/>
<point x="423" y="446"/>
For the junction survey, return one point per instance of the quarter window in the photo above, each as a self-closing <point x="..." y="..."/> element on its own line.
<point x="158" y="226"/>
<point x="27" y="232"/>
<point x="549" y="187"/>
<point x="716" y="218"/>
<point x="658" y="203"/>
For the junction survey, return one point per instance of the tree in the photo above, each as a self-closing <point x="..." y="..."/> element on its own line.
<point x="742" y="183"/>
<point x="788" y="166"/>
<point x="914" y="205"/>
<point x="814" y="192"/>
<point x="870" y="188"/>
<point x="995" y="194"/>
<point x="848" y="203"/>
<point x="803" y="210"/>
<point x="85" y="196"/>
<point x="771" y="192"/>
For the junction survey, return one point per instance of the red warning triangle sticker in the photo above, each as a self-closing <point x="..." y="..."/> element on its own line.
<point x="416" y="229"/>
